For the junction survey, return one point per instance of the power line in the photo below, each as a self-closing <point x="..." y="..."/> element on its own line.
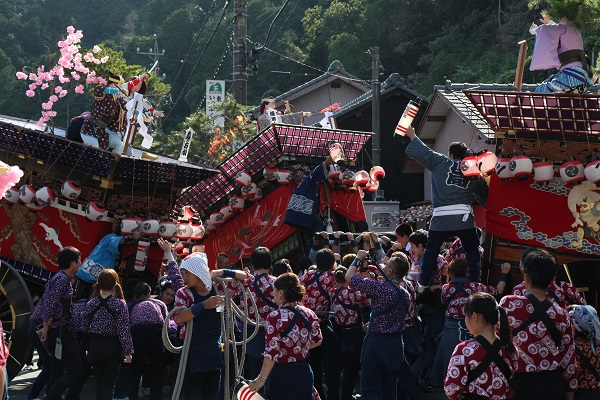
<point x="199" y="59"/>
<point x="273" y="23"/>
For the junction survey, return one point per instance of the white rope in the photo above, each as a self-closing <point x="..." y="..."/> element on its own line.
<point x="184" y="350"/>
<point x="228" y="335"/>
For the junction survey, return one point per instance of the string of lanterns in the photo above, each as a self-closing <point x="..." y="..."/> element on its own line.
<point x="521" y="167"/>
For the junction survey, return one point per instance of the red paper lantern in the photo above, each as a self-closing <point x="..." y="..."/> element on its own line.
<point x="468" y="166"/>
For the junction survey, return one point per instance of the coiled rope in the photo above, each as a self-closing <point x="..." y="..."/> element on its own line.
<point x="228" y="335"/>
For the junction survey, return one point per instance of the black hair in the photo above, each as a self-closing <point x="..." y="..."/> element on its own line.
<point x="404" y="229"/>
<point x="280" y="267"/>
<point x="141" y="289"/>
<point x="361" y="226"/>
<point x="66" y="256"/>
<point x="264" y="104"/>
<point x="164" y="285"/>
<point x="143" y="89"/>
<point x="485" y="305"/>
<point x="526" y="251"/>
<point x="113" y="76"/>
<point x="541" y="268"/>
<point x="291" y="286"/>
<point x="458" y="268"/>
<point x="457" y="150"/>
<point x="324" y="260"/>
<point x="302" y="264"/>
<point x="261" y="258"/>
<point x="400" y="265"/>
<point x="418" y="237"/>
<point x="340" y="274"/>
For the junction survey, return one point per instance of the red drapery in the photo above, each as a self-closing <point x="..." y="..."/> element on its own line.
<point x="553" y="215"/>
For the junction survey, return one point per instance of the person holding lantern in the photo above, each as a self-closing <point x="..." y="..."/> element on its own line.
<point x="452" y="195"/>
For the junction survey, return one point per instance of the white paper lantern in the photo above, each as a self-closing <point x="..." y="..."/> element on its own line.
<point x="217" y="218"/>
<point x="26" y="194"/>
<point x="243" y="178"/>
<point x="333" y="172"/>
<point x="184" y="230"/>
<point x="270" y="174"/>
<point x="572" y="171"/>
<point x="348" y="178"/>
<point x="361" y="179"/>
<point x="592" y="171"/>
<point x="486" y="162"/>
<point x="257" y="196"/>
<point x="12" y="195"/>
<point x="226" y="211"/>
<point x="167" y="229"/>
<point x="377" y="173"/>
<point x="236" y="203"/>
<point x="521" y="166"/>
<point x="543" y="171"/>
<point x="70" y="190"/>
<point x="197" y="231"/>
<point x="373" y="186"/>
<point x="284" y="176"/>
<point x="503" y="168"/>
<point x="150" y="227"/>
<point x="249" y="190"/>
<point x="94" y="211"/>
<point x="45" y="196"/>
<point x="131" y="225"/>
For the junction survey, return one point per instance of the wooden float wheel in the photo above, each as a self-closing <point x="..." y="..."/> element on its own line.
<point x="15" y="309"/>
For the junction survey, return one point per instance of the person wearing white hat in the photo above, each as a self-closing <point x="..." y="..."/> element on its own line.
<point x="199" y="295"/>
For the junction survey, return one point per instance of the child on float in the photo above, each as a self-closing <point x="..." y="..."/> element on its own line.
<point x="454" y="296"/>
<point x="481" y="367"/>
<point x="587" y="341"/>
<point x="290" y="332"/>
<point x="199" y="295"/>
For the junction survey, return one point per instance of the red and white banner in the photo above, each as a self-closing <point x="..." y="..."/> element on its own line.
<point x="262" y="224"/>
<point x="34" y="238"/>
<point x="552" y="215"/>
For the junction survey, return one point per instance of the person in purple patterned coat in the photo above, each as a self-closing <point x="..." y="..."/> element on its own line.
<point x="107" y="319"/>
<point x="383" y="349"/>
<point x="55" y="312"/>
<point x="147" y="316"/>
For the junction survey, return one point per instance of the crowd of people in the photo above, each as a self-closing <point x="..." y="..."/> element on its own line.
<point x="351" y="322"/>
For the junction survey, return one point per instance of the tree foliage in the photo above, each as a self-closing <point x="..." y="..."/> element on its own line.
<point x="425" y="41"/>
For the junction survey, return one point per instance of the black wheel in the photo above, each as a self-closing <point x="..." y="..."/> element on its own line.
<point x="15" y="308"/>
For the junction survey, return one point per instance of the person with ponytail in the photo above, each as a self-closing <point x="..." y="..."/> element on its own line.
<point x="290" y="332"/>
<point x="481" y="367"/>
<point x="107" y="320"/>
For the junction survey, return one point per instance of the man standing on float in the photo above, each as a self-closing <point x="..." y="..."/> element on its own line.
<point x="452" y="195"/>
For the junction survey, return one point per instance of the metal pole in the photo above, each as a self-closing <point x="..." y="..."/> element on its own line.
<point x="375" y="107"/>
<point x="240" y="74"/>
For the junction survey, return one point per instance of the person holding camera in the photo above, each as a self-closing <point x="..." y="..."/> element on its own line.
<point x="269" y="114"/>
<point x="383" y="349"/>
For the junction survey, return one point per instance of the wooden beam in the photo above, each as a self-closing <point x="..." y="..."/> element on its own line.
<point x="521" y="64"/>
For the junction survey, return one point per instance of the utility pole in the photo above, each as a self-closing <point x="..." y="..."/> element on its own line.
<point x="240" y="74"/>
<point x="154" y="55"/>
<point x="376" y="143"/>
